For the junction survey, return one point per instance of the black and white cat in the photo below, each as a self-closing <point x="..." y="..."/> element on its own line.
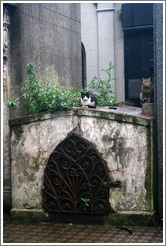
<point x="88" y="99"/>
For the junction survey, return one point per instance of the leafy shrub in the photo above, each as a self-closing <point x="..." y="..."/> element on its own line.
<point x="13" y="104"/>
<point x="103" y="89"/>
<point x="38" y="97"/>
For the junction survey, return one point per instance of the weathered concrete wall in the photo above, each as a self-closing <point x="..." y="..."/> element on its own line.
<point x="7" y="9"/>
<point x="124" y="147"/>
<point x="50" y="34"/>
<point x="123" y="140"/>
<point x="31" y="147"/>
<point x="50" y="31"/>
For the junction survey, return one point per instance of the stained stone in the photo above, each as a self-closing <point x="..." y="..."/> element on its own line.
<point x="148" y="108"/>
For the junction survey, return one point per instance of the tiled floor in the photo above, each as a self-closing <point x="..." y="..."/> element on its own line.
<point x="15" y="232"/>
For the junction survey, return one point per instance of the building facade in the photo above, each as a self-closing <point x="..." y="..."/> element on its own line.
<point x="51" y="35"/>
<point x="48" y="34"/>
<point x="102" y="37"/>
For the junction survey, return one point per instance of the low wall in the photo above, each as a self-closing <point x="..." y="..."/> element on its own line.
<point x="125" y="142"/>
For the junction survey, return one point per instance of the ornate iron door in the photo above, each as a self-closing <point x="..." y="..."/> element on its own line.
<point x="76" y="179"/>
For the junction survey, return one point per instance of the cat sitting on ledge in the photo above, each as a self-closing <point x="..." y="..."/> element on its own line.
<point x="88" y="100"/>
<point x="147" y="91"/>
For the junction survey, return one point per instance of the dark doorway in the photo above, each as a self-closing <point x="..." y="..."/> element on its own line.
<point x="84" y="79"/>
<point x="76" y="179"/>
<point x="137" y="21"/>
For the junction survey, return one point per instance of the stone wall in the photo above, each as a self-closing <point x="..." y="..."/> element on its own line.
<point x="48" y="34"/>
<point x="7" y="10"/>
<point x="124" y="141"/>
<point x="45" y="33"/>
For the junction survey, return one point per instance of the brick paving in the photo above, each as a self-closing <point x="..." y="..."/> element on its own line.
<point x="46" y="232"/>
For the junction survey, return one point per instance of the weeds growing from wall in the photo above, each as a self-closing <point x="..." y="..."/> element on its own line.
<point x="103" y="88"/>
<point x="37" y="96"/>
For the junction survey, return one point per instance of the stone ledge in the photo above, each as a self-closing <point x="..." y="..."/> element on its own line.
<point x="29" y="215"/>
<point x="122" y="218"/>
<point x="39" y="117"/>
<point x="148" y="109"/>
<point x="119" y="115"/>
<point x="132" y="218"/>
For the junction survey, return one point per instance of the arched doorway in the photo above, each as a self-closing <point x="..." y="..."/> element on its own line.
<point x="76" y="179"/>
<point x="83" y="55"/>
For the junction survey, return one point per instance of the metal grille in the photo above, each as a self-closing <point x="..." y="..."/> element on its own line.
<point x="76" y="179"/>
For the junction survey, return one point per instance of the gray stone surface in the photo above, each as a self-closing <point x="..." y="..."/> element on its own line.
<point x="158" y="99"/>
<point x="6" y="129"/>
<point x="48" y="33"/>
<point x="148" y="108"/>
<point x="35" y="142"/>
<point x="123" y="140"/>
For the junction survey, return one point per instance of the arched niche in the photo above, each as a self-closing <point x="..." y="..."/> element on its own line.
<point x="76" y="179"/>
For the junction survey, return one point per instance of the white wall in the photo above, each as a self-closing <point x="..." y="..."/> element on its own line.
<point x="119" y="55"/>
<point x="89" y="37"/>
<point x="102" y="36"/>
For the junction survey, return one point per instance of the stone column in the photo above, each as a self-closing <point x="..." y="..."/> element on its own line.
<point x="158" y="101"/>
<point x="106" y="47"/>
<point x="6" y="129"/>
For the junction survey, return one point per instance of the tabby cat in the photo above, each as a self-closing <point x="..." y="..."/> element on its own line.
<point x="147" y="91"/>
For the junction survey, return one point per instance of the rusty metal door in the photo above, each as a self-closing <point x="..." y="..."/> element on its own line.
<point x="76" y="179"/>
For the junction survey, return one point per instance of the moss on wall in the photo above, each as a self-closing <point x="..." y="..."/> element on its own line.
<point x="126" y="145"/>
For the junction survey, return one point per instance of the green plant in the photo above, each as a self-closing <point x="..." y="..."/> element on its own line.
<point x="39" y="97"/>
<point x="13" y="103"/>
<point x="119" y="11"/>
<point x="85" y="200"/>
<point x="103" y="88"/>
